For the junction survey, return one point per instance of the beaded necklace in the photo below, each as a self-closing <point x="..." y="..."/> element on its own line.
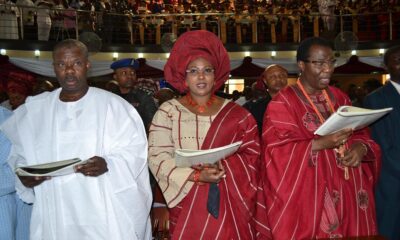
<point x="342" y="148"/>
<point x="198" y="107"/>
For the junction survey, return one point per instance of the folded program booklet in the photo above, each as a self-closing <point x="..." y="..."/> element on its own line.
<point x="350" y="117"/>
<point x="51" y="169"/>
<point x="189" y="157"/>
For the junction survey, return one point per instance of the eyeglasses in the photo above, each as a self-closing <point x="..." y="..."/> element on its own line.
<point x="208" y="71"/>
<point x="320" y="64"/>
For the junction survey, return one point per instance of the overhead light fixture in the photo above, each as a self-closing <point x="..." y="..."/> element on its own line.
<point x="381" y="51"/>
<point x="37" y="53"/>
<point x="353" y="52"/>
<point x="3" y="51"/>
<point x="115" y="56"/>
<point x="247" y="54"/>
<point x="140" y="55"/>
<point x="273" y="54"/>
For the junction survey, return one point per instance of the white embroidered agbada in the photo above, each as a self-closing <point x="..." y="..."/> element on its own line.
<point x="115" y="205"/>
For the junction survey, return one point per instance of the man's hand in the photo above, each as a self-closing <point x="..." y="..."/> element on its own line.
<point x="31" y="182"/>
<point x="333" y="140"/>
<point x="354" y="155"/>
<point x="94" y="167"/>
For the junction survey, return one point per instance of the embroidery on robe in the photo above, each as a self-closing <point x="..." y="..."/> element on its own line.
<point x="363" y="199"/>
<point x="335" y="197"/>
<point x="310" y="121"/>
<point x="329" y="218"/>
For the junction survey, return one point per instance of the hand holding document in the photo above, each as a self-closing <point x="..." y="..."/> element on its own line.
<point x="189" y="157"/>
<point x="51" y="169"/>
<point x="350" y="117"/>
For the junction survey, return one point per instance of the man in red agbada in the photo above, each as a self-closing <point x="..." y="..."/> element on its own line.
<point x="319" y="186"/>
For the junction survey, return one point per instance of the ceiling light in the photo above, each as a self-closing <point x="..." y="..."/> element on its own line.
<point x="115" y="56"/>
<point x="37" y="53"/>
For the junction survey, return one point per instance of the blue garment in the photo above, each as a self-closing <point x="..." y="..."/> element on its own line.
<point x="126" y="62"/>
<point x="386" y="132"/>
<point x="14" y="214"/>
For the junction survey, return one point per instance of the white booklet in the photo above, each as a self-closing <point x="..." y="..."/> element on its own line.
<point x="51" y="169"/>
<point x="350" y="117"/>
<point x="189" y="157"/>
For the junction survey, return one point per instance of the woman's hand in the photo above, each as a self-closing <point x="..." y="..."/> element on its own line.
<point x="354" y="155"/>
<point x="333" y="140"/>
<point x="208" y="173"/>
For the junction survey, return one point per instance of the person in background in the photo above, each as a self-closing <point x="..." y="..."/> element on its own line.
<point x="43" y="86"/>
<point x="351" y="92"/>
<point x="109" y="196"/>
<point x="19" y="87"/>
<point x="371" y="85"/>
<point x="112" y="86"/>
<point x="9" y="14"/>
<point x="360" y="92"/>
<point x="245" y="96"/>
<point x="210" y="201"/>
<point x="27" y="9"/>
<point x="386" y="133"/>
<point x="147" y="85"/>
<point x="236" y="95"/>
<point x="163" y="95"/>
<point x="319" y="186"/>
<point x="43" y="14"/>
<point x="125" y="75"/>
<point x="273" y="79"/>
<point x="15" y="215"/>
<point x="327" y="10"/>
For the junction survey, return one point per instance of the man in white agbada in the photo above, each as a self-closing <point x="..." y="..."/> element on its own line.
<point x="110" y="196"/>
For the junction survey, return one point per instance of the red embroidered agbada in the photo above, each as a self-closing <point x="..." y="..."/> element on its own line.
<point x="242" y="203"/>
<point x="307" y="194"/>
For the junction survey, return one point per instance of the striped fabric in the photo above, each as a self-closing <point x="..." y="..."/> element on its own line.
<point x="308" y="195"/>
<point x="242" y="205"/>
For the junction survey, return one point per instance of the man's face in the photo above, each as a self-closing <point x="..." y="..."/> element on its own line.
<point x="317" y="70"/>
<point x="275" y="78"/>
<point x="393" y="66"/>
<point x="70" y="66"/>
<point x="125" y="77"/>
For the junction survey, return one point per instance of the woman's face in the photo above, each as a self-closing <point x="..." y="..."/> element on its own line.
<point x="200" y="77"/>
<point x="317" y="70"/>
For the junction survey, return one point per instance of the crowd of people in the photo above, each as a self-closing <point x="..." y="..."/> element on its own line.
<point x="124" y="21"/>
<point x="283" y="181"/>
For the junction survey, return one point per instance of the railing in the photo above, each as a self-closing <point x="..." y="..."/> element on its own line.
<point x="33" y="23"/>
